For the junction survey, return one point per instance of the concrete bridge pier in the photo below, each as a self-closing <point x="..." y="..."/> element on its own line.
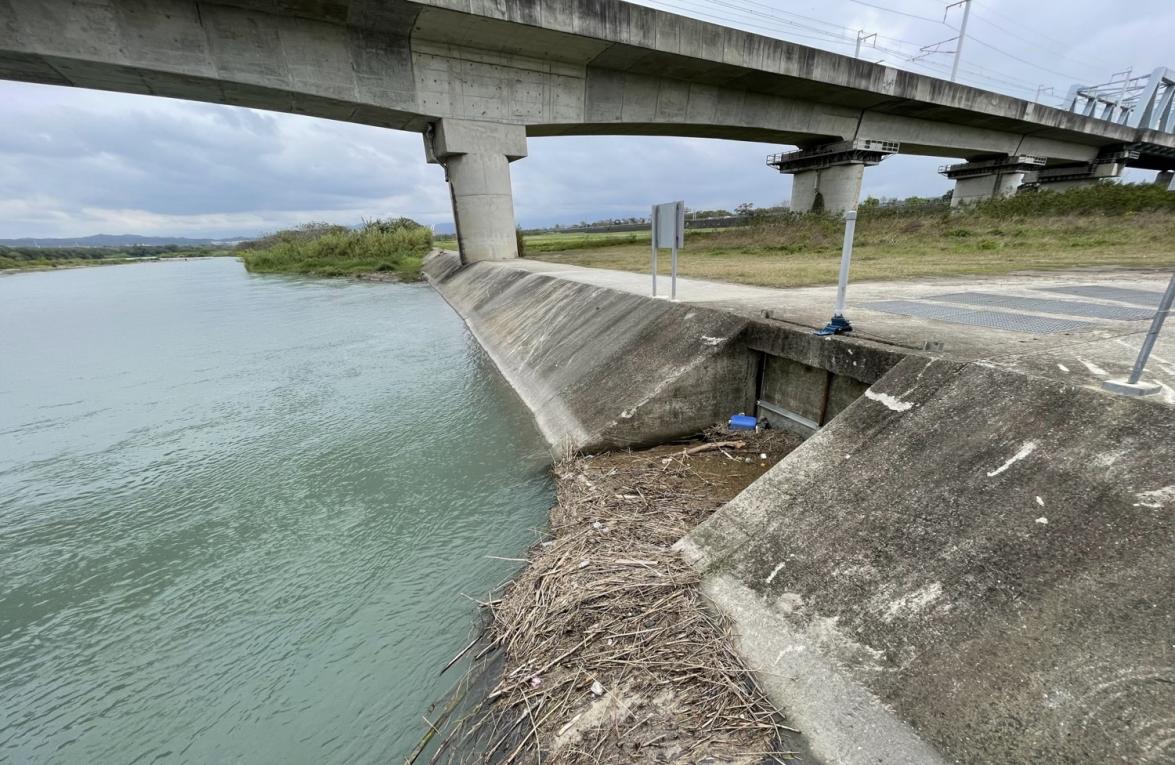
<point x="476" y="157"/>
<point x="990" y="177"/>
<point x="828" y="178"/>
<point x="838" y="188"/>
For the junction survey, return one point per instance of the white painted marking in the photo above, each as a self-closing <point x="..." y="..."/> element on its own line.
<point x="1028" y="448"/>
<point x="914" y="602"/>
<point x="712" y="340"/>
<point x="1040" y="501"/>
<point x="1042" y="521"/>
<point x="1156" y="498"/>
<point x="1062" y="367"/>
<point x="1093" y="368"/>
<point x="889" y="401"/>
<point x="773" y="573"/>
<point x="1168" y="392"/>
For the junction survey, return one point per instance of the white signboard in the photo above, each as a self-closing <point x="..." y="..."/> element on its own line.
<point x="668" y="233"/>
<point x="669" y="225"/>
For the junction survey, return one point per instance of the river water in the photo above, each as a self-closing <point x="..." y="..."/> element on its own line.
<point x="237" y="512"/>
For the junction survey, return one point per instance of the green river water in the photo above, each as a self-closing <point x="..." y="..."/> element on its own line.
<point x="237" y="513"/>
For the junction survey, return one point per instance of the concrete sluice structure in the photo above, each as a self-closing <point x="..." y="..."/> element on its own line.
<point x="965" y="563"/>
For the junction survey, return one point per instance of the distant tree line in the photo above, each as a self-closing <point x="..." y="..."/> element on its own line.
<point x="102" y="253"/>
<point x="1107" y="198"/>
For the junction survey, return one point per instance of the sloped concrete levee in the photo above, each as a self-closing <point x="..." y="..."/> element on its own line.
<point x="967" y="565"/>
<point x="605" y="368"/>
<point x="969" y="561"/>
<point x="599" y="368"/>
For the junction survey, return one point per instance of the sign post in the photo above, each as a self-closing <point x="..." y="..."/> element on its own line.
<point x="1133" y="385"/>
<point x="839" y="324"/>
<point x="668" y="221"/>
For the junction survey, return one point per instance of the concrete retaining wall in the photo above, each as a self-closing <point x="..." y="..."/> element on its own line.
<point x="600" y="368"/>
<point x="967" y="565"/>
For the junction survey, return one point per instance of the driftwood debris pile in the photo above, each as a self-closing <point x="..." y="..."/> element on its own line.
<point x="605" y="649"/>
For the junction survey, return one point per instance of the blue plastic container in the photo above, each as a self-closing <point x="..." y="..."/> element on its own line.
<point x="743" y="422"/>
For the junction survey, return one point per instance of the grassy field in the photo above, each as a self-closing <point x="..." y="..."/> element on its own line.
<point x="1131" y="226"/>
<point x="98" y="257"/>
<point x="392" y="248"/>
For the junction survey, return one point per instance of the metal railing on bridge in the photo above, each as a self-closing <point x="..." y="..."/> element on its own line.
<point x="1141" y="102"/>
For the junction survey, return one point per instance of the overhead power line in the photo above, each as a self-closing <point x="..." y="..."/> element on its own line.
<point x="1026" y="62"/>
<point x="902" y="13"/>
<point x="975" y="73"/>
<point x="759" y="16"/>
<point x="1039" y="34"/>
<point x="1025" y="40"/>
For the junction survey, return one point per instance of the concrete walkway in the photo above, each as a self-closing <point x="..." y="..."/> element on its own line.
<point x="1102" y="350"/>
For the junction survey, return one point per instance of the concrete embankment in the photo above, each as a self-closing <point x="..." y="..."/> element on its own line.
<point x="963" y="564"/>
<point x="603" y="368"/>
<point x="967" y="557"/>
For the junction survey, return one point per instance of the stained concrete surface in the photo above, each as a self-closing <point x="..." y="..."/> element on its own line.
<point x="601" y="368"/>
<point x="604" y="368"/>
<point x="980" y="557"/>
<point x="1078" y="358"/>
<point x="973" y="562"/>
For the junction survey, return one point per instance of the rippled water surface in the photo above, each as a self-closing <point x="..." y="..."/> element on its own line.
<point x="237" y="512"/>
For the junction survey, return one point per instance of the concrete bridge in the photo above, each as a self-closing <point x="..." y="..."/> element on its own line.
<point x="476" y="78"/>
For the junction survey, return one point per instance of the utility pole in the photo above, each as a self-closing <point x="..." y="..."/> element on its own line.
<point x="962" y="35"/>
<point x="862" y="37"/>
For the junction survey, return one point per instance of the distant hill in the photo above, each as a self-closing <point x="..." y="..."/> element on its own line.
<point x="114" y="240"/>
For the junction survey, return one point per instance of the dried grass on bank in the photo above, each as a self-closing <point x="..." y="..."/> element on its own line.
<point x="610" y="654"/>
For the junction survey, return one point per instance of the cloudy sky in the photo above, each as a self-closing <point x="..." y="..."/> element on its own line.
<point x="75" y="162"/>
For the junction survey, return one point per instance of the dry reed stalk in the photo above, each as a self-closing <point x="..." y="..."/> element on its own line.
<point x="609" y="652"/>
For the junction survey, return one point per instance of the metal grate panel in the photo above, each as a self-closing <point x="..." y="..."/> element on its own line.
<point x="1010" y="322"/>
<point x="1121" y="294"/>
<point x="1045" y="305"/>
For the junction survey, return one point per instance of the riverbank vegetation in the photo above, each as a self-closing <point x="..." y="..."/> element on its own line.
<point x="393" y="248"/>
<point x="41" y="258"/>
<point x="1104" y="226"/>
<point x="603" y="649"/>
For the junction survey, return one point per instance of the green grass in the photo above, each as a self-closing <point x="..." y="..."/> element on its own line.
<point x="27" y="260"/>
<point x="42" y="264"/>
<point x="1130" y="226"/>
<point x="388" y="247"/>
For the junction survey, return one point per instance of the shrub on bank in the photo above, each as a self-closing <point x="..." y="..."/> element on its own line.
<point x="1031" y="222"/>
<point x="1099" y="199"/>
<point x="319" y="249"/>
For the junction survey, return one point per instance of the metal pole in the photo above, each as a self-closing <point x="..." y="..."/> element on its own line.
<point x="654" y="240"/>
<point x="962" y="39"/>
<point x="846" y="257"/>
<point x="862" y="37"/>
<point x="673" y="273"/>
<point x="1153" y="333"/>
